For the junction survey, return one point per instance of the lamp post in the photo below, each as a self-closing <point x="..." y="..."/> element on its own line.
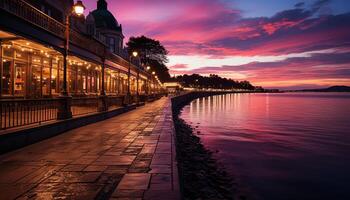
<point x="137" y="86"/>
<point x="128" y="95"/>
<point x="148" y="81"/>
<point x="78" y="9"/>
<point x="153" y="82"/>
<point x="64" y="108"/>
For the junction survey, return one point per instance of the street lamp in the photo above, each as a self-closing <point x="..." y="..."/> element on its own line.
<point x="78" y="9"/>
<point x="133" y="54"/>
<point x="64" y="108"/>
<point x="148" y="81"/>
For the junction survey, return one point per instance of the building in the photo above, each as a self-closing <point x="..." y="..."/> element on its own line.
<point x="173" y="87"/>
<point x="102" y="22"/>
<point x="32" y="38"/>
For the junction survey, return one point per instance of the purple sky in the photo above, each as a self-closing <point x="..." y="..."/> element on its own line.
<point x="272" y="43"/>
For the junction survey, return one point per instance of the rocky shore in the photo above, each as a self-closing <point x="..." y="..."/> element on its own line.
<point x="200" y="174"/>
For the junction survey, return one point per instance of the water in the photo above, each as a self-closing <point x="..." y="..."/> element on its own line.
<point x="279" y="146"/>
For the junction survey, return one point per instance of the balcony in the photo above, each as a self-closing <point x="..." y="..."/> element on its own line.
<point x="34" y="16"/>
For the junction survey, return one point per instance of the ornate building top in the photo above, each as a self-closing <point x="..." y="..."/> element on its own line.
<point x="105" y="19"/>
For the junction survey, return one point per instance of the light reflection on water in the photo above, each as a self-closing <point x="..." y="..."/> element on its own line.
<point x="280" y="146"/>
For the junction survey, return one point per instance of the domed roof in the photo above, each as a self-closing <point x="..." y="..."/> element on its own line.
<point x="104" y="18"/>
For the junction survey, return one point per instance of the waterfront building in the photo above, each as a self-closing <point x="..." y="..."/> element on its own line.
<point x="32" y="38"/>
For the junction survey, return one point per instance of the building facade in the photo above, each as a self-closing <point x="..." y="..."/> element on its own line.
<point x="34" y="69"/>
<point x="32" y="55"/>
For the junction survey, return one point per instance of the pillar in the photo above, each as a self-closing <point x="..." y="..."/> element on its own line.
<point x="64" y="100"/>
<point x="102" y="98"/>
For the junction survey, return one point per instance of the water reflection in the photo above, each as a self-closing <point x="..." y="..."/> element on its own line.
<point x="281" y="146"/>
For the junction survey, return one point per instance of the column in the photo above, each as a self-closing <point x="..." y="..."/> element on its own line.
<point x="102" y="99"/>
<point x="137" y="86"/>
<point x="65" y="100"/>
<point x="127" y="97"/>
<point x="1" y="68"/>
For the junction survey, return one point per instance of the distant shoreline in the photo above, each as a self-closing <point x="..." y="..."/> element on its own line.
<point x="329" y="89"/>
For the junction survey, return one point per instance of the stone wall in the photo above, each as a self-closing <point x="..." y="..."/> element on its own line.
<point x="179" y="101"/>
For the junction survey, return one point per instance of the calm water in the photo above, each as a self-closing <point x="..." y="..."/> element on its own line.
<point x="279" y="146"/>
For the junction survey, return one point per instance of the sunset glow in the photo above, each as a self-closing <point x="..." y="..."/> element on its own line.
<point x="275" y="44"/>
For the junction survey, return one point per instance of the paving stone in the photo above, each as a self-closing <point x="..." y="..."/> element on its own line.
<point x="84" y="160"/>
<point x="163" y="147"/>
<point x="95" y="168"/>
<point x="160" y="169"/>
<point x="161" y="159"/>
<point x="12" y="191"/>
<point x="40" y="174"/>
<point x="73" y="168"/>
<point x="111" y="159"/>
<point x="115" y="160"/>
<point x="59" y="191"/>
<point x="10" y="173"/>
<point x="138" y="181"/>
<point x="117" y="169"/>
<point x="73" y="177"/>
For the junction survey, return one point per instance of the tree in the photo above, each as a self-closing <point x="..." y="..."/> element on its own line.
<point x="213" y="81"/>
<point x="152" y="53"/>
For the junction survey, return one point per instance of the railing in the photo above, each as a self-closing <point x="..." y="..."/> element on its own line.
<point x="83" y="106"/>
<point x="31" y="14"/>
<point x="115" y="102"/>
<point x="15" y="113"/>
<point x="34" y="16"/>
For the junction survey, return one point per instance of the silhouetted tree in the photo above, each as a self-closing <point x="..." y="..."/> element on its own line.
<point x="213" y="81"/>
<point x="151" y="53"/>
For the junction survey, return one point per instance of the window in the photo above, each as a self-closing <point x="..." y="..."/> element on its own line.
<point x="54" y="78"/>
<point x="111" y="44"/>
<point x="72" y="79"/>
<point x="6" y="77"/>
<point x="36" y="79"/>
<point x="19" y="83"/>
<point x="46" y="77"/>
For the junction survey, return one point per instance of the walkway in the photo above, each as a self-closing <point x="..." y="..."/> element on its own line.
<point x="131" y="156"/>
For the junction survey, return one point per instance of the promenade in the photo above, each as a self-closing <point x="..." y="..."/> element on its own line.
<point x="131" y="156"/>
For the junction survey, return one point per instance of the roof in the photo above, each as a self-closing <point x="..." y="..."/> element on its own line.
<point x="104" y="18"/>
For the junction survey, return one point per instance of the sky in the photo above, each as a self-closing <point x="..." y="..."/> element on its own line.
<point x="285" y="44"/>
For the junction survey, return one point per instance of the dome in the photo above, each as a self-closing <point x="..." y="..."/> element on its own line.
<point x="104" y="18"/>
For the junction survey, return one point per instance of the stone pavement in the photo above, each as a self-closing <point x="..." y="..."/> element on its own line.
<point x="131" y="156"/>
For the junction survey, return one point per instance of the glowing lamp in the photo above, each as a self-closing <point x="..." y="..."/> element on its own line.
<point x="79" y="8"/>
<point x="135" y="53"/>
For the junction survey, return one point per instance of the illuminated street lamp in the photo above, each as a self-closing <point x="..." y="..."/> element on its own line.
<point x="78" y="9"/>
<point x="64" y="108"/>
<point x="148" y="81"/>
<point x="133" y="54"/>
<point x="153" y="73"/>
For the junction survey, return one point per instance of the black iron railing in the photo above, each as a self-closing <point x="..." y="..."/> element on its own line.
<point x="85" y="105"/>
<point x="34" y="16"/>
<point x="16" y="113"/>
<point x="31" y="14"/>
<point x="115" y="102"/>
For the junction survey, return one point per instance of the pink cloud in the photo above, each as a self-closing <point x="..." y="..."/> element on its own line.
<point x="216" y="28"/>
